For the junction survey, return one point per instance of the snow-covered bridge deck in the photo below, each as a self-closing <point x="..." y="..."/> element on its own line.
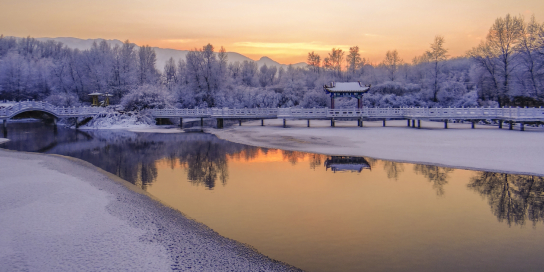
<point x="512" y="115"/>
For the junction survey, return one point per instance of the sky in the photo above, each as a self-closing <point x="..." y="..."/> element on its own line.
<point x="284" y="30"/>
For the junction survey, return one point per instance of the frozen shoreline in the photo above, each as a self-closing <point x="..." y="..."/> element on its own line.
<point x="61" y="214"/>
<point x="485" y="148"/>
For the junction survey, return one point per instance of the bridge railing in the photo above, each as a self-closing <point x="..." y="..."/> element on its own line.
<point x="181" y="112"/>
<point x="302" y="113"/>
<point x="244" y="113"/>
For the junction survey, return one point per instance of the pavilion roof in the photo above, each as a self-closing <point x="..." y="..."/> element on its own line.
<point x="344" y="87"/>
<point x="95" y="94"/>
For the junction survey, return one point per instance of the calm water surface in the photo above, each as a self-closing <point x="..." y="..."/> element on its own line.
<point x="323" y="213"/>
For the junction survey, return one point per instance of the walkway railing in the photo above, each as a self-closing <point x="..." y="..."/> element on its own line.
<point x="513" y="114"/>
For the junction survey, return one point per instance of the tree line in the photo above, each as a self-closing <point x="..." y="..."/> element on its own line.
<point x="505" y="69"/>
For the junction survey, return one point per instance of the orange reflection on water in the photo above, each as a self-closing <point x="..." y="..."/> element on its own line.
<point x="390" y="217"/>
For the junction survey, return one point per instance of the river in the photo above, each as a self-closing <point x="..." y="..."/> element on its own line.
<point x="317" y="212"/>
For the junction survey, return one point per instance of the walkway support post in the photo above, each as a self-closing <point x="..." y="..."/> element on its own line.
<point x="4" y="123"/>
<point x="332" y="122"/>
<point x="521" y="126"/>
<point x="500" y="123"/>
<point x="262" y="122"/>
<point x="219" y="123"/>
<point x="446" y="123"/>
<point x="201" y="122"/>
<point x="511" y="125"/>
<point x="284" y="123"/>
<point x="181" y="122"/>
<point x="418" y="123"/>
<point x="408" y="123"/>
<point x="240" y="122"/>
<point x="473" y="124"/>
<point x="413" y="123"/>
<point x="384" y="122"/>
<point x="308" y="122"/>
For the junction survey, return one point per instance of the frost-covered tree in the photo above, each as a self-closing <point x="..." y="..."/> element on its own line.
<point x="314" y="61"/>
<point x="354" y="62"/>
<point x="147" y="72"/>
<point x="147" y="97"/>
<point x="436" y="56"/>
<point x="392" y="63"/>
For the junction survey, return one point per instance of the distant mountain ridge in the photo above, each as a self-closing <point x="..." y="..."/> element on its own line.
<point x="164" y="54"/>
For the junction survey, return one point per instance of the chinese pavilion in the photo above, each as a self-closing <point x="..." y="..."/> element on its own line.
<point x="347" y="89"/>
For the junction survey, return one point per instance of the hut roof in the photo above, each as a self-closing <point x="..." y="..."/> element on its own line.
<point x="343" y="87"/>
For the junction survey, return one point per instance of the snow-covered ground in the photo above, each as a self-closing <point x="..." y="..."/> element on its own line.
<point x="60" y="214"/>
<point x="3" y="140"/>
<point x="483" y="148"/>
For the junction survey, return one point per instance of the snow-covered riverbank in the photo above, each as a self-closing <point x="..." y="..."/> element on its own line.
<point x="483" y="148"/>
<point x="60" y="214"/>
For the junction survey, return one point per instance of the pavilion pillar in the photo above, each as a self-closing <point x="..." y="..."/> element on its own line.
<point x="511" y="125"/>
<point x="308" y="122"/>
<point x="262" y="122"/>
<point x="4" y="123"/>
<point x="521" y="126"/>
<point x="332" y="102"/>
<point x="500" y="123"/>
<point x="201" y="121"/>
<point x="418" y="123"/>
<point x="446" y="123"/>
<point x="473" y="124"/>
<point x="383" y="122"/>
<point x="284" y="123"/>
<point x="359" y="102"/>
<point x="181" y="122"/>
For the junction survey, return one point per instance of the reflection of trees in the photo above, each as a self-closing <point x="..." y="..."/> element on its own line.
<point x="205" y="162"/>
<point x="293" y="156"/>
<point x="393" y="169"/>
<point x="437" y="175"/>
<point x="316" y="160"/>
<point x="513" y="198"/>
<point x="134" y="156"/>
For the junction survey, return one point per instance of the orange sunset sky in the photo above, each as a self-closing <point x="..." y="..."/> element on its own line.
<point x="282" y="30"/>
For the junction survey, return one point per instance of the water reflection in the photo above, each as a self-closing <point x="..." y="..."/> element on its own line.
<point x="347" y="164"/>
<point x="135" y="157"/>
<point x="393" y="169"/>
<point x="513" y="198"/>
<point x="437" y="175"/>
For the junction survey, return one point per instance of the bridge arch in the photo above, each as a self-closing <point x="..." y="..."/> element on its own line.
<point x="24" y="111"/>
<point x="51" y="114"/>
<point x="30" y="106"/>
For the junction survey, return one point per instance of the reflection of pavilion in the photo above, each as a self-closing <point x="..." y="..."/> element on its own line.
<point x="343" y="163"/>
